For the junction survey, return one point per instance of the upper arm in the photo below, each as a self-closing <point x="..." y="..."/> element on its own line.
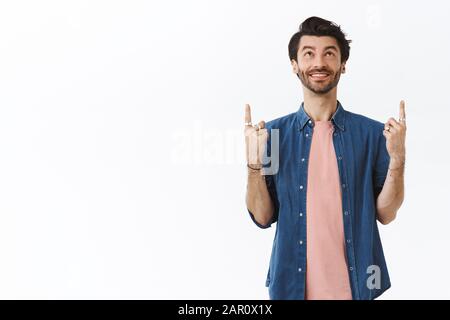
<point x="381" y="164"/>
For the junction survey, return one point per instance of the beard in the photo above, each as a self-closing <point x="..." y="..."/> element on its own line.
<point x="321" y="87"/>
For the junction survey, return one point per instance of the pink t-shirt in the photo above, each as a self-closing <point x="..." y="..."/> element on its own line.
<point x="326" y="266"/>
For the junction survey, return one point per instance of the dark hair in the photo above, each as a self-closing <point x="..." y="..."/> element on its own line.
<point x="315" y="26"/>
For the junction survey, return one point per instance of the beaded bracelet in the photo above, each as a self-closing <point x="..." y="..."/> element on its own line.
<point x="257" y="169"/>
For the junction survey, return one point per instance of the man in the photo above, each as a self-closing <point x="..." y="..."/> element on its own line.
<point x="333" y="174"/>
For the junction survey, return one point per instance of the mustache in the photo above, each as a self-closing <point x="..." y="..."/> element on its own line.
<point x="320" y="70"/>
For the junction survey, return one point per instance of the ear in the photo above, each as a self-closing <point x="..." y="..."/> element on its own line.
<point x="294" y="66"/>
<point x="343" y="68"/>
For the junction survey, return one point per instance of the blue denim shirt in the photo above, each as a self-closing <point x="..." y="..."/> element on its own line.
<point x="363" y="161"/>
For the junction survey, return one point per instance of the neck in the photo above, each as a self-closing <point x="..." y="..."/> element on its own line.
<point x="320" y="107"/>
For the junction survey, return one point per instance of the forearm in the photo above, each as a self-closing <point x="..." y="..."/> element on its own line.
<point x="258" y="198"/>
<point x="391" y="196"/>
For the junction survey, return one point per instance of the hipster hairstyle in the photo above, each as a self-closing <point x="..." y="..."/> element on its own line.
<point x="315" y="26"/>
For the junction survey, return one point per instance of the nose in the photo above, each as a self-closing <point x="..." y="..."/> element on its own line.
<point x="318" y="62"/>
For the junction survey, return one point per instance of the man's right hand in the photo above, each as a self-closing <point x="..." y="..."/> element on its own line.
<point x="255" y="140"/>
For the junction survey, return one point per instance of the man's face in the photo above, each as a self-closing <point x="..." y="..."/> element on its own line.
<point x="319" y="63"/>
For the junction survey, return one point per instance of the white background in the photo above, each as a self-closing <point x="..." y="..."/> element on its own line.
<point x="122" y="172"/>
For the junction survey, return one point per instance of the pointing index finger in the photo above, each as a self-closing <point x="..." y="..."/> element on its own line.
<point x="402" y="110"/>
<point x="248" y="116"/>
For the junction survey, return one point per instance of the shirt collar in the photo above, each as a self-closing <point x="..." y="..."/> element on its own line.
<point x="337" y="118"/>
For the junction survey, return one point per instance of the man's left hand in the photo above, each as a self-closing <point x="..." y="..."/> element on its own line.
<point x="395" y="133"/>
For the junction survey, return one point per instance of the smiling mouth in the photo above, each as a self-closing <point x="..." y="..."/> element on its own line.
<point x="318" y="75"/>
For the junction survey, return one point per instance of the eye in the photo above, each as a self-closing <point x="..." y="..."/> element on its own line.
<point x="308" y="53"/>
<point x="329" y="53"/>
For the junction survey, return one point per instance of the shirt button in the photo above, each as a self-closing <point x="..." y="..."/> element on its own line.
<point x="301" y="187"/>
<point x="307" y="134"/>
<point x="309" y="121"/>
<point x="301" y="242"/>
<point x="348" y="240"/>
<point x="346" y="213"/>
<point x="301" y="214"/>
<point x="343" y="185"/>
<point x="351" y="268"/>
<point x="299" y="269"/>
<point x="340" y="158"/>
<point x="303" y="159"/>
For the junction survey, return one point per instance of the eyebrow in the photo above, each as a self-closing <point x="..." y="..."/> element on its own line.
<point x="326" y="48"/>
<point x="308" y="47"/>
<point x="331" y="47"/>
